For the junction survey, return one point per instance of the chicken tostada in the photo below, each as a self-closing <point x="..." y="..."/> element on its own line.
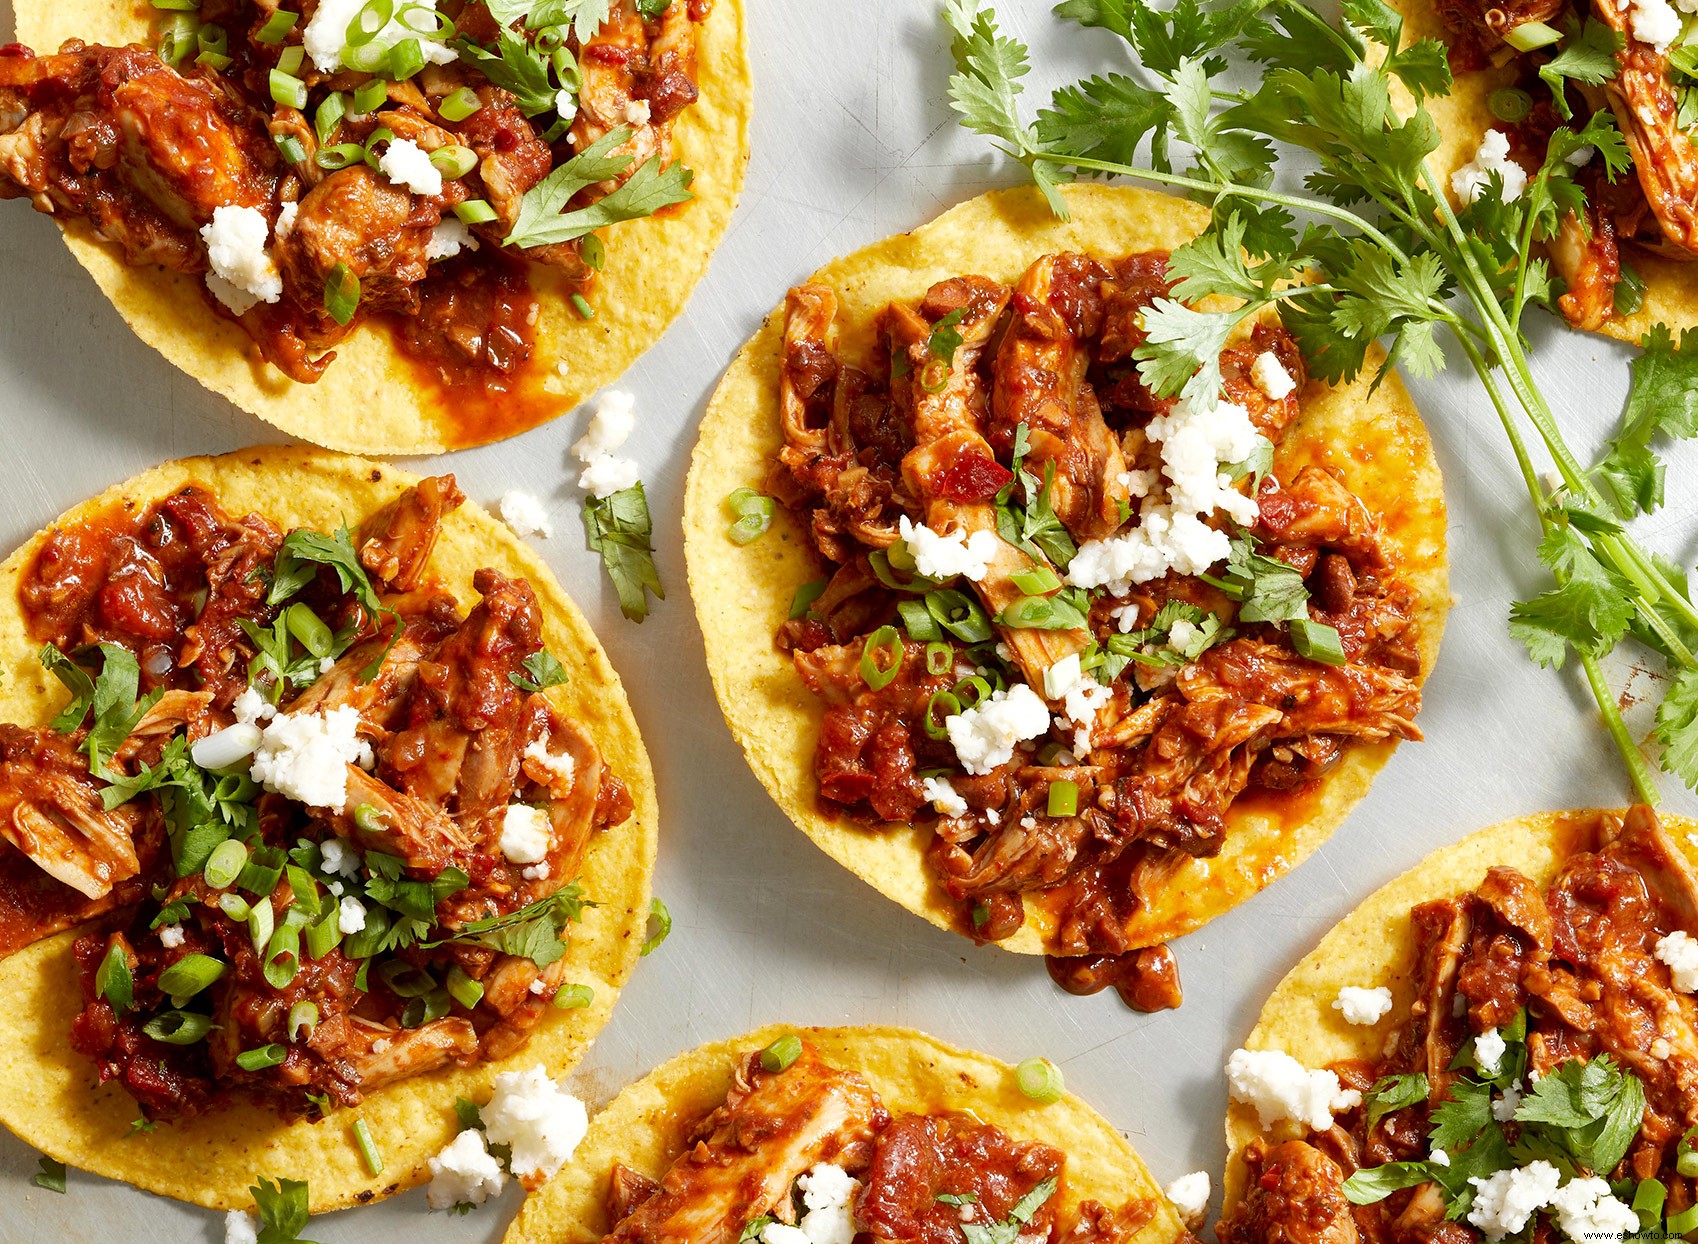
<point x="1500" y="1043"/>
<point x="1050" y="661"/>
<point x="385" y="226"/>
<point x="319" y="805"/>
<point x="1522" y="70"/>
<point x="823" y="1135"/>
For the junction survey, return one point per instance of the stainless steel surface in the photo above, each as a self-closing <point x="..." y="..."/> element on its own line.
<point x="853" y="140"/>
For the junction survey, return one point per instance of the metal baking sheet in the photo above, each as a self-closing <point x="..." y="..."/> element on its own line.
<point x="853" y="140"/>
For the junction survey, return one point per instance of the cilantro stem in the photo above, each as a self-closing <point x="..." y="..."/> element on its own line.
<point x="1644" y="782"/>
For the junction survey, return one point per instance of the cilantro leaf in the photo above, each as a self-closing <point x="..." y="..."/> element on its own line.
<point x="282" y="1210"/>
<point x="50" y="1175"/>
<point x="516" y="67"/>
<point x="619" y="528"/>
<point x="1266" y="588"/>
<point x="108" y="700"/>
<point x="1677" y="727"/>
<point x="1663" y="401"/>
<point x="1588" y="57"/>
<point x="536" y="932"/>
<point x="1374" y="1184"/>
<point x="650" y="188"/>
<point x="1180" y="354"/>
<point x="1465" y="1112"/>
<point x="1008" y="1230"/>
<point x="542" y="671"/>
<point x="1394" y="1093"/>
<point x="1588" y="608"/>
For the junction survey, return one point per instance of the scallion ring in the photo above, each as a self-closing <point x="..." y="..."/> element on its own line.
<point x="454" y="161"/>
<point x="341" y="294"/>
<point x="178" y="1027"/>
<point x="303" y="1019"/>
<point x="405" y="59"/>
<point x="459" y="104"/>
<point x="581" y="305"/>
<point x="1038" y="581"/>
<point x="934" y="376"/>
<point x="660" y="921"/>
<point x="373" y="16"/>
<point x="939" y="709"/>
<point x="803" y="601"/>
<point x="292" y="149"/>
<point x="917" y="621"/>
<point x="754" y="513"/>
<point x="1063" y="798"/>
<point x="972" y="691"/>
<point x="549" y="39"/>
<point x="404" y="980"/>
<point x="261" y="922"/>
<point x="1510" y="103"/>
<point x="188" y="976"/>
<point x="960" y="615"/>
<point x="421" y="1011"/>
<point x="305" y="625"/>
<point x="225" y="864"/>
<point x="368" y="1151"/>
<point x="1040" y="1080"/>
<point x="342" y="155"/>
<point x="277" y="26"/>
<point x="213" y="38"/>
<point x="474" y="212"/>
<point x="875" y="673"/>
<point x="592" y="250"/>
<point x="437" y="28"/>
<point x="265" y="1056"/>
<point x="1531" y="35"/>
<point x="463" y="989"/>
<point x="235" y="906"/>
<point x="1629" y="291"/>
<point x="782" y="1052"/>
<point x="282" y="956"/>
<point x="382" y="134"/>
<point x="940" y="657"/>
<point x="370" y="96"/>
<point x="1317" y="641"/>
<point x="112" y="979"/>
<point x="322" y="937"/>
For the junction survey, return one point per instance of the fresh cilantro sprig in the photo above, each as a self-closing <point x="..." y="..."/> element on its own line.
<point x="282" y="1209"/>
<point x="537" y="932"/>
<point x="109" y="700"/>
<point x="618" y="527"/>
<point x="1372" y="249"/>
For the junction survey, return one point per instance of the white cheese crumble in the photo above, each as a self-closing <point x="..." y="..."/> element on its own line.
<point x="604" y="472"/>
<point x="336" y="856"/>
<point x="1164" y="540"/>
<point x="535" y="872"/>
<point x="828" y="1194"/>
<point x="1190" y="1196"/>
<point x="251" y="707"/>
<point x="1489" y="1049"/>
<point x="538" y="1118"/>
<point x="449" y="237"/>
<point x="782" y="1233"/>
<point x="1439" y="1157"/>
<point x="1280" y="1087"/>
<point x="984" y="736"/>
<point x="327" y="34"/>
<point x="286" y="214"/>
<point x="942" y="796"/>
<point x="242" y="274"/>
<point x="1079" y="694"/>
<point x="1271" y="377"/>
<point x="241" y="1227"/>
<point x="306" y="757"/>
<point x="946" y="555"/>
<point x="525" y="834"/>
<point x="1504" y="1202"/>
<point x="1585" y="1210"/>
<point x="559" y="766"/>
<point x="464" y="1173"/>
<point x="1196" y="443"/>
<point x="1655" y="22"/>
<point x="171" y="936"/>
<point x="407" y="164"/>
<point x="637" y="112"/>
<point x="1680" y="951"/>
<point x="351" y="916"/>
<point x="1469" y="182"/>
<point x="525" y="514"/>
<point x="1360" y="1005"/>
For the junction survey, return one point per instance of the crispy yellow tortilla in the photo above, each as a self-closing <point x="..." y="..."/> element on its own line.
<point x="51" y="1102"/>
<point x="743" y="593"/>
<point x="371" y="400"/>
<point x="646" y="1126"/>
<point x="1464" y="116"/>
<point x="1374" y="946"/>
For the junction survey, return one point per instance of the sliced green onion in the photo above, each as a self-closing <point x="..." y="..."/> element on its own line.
<point x="660" y="918"/>
<point x="225" y="864"/>
<point x="177" y="40"/>
<point x="261" y="922"/>
<point x="917" y="621"/>
<point x="373" y="16"/>
<point x="573" y="997"/>
<point x="459" y="105"/>
<point x="342" y="155"/>
<point x="368" y="1151"/>
<point x="1629" y="291"/>
<point x="283" y="956"/>
<point x="404" y="980"/>
<point x="1040" y="1079"/>
<point x="178" y="1027"/>
<point x="321" y="938"/>
<point x="290" y="148"/>
<point x="290" y="59"/>
<point x="581" y="305"/>
<point x="782" y="1052"/>
<point x="382" y="134"/>
<point x="979" y="688"/>
<point x="474" y="212"/>
<point x="235" y="906"/>
<point x="1683" y="1223"/>
<point x="213" y="38"/>
<point x="370" y="819"/>
<point x="1317" y="641"/>
<point x="1038" y="613"/>
<point x="330" y="112"/>
<point x="303" y="1018"/>
<point x="463" y="989"/>
<point x="261" y="873"/>
<point x="370" y="96"/>
<point x="306" y="626"/>
<point x="1038" y="581"/>
<point x="550" y="39"/>
<point x="437" y="27"/>
<point x="754" y="513"/>
<point x="421" y="1011"/>
<point x="876" y="674"/>
<point x="453" y="161"/>
<point x="112" y="979"/>
<point x="265" y="1056"/>
<point x="304" y="909"/>
<point x="940" y="657"/>
<point x="940" y="708"/>
<point x="1648" y="1200"/>
<point x="805" y="597"/>
<point x="934" y="376"/>
<point x="1510" y="104"/>
<point x="592" y="250"/>
<point x="217" y="61"/>
<point x="1063" y="798"/>
<point x="188" y="976"/>
<point x="176" y="6"/>
<point x="277" y="26"/>
<point x="1530" y="35"/>
<point x="406" y="58"/>
<point x="981" y="915"/>
<point x="960" y="615"/>
<point x="341" y="295"/>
